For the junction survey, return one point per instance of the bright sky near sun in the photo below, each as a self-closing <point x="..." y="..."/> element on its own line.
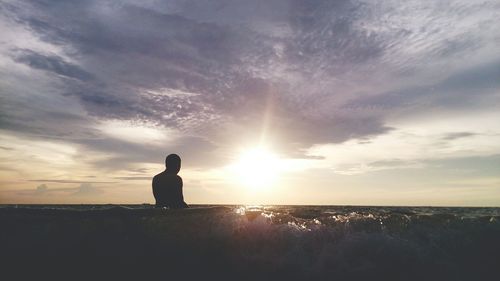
<point x="267" y="102"/>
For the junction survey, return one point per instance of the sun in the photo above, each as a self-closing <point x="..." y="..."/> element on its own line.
<point x="257" y="168"/>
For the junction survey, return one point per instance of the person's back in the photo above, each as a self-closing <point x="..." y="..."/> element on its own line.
<point x="167" y="185"/>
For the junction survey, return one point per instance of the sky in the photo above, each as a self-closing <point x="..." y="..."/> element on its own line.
<point x="267" y="102"/>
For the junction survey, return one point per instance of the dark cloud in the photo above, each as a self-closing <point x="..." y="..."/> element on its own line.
<point x="464" y="89"/>
<point x="53" y="64"/>
<point x="210" y="59"/>
<point x="326" y="39"/>
<point x="458" y="135"/>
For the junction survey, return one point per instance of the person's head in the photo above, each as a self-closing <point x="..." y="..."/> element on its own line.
<point x="173" y="163"/>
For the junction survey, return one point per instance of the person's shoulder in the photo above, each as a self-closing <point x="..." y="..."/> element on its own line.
<point x="160" y="175"/>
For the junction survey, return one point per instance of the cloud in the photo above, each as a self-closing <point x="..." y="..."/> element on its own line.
<point x="53" y="64"/>
<point x="458" y="135"/>
<point x="210" y="59"/>
<point x="214" y="76"/>
<point x="87" y="189"/>
<point x="67" y="181"/>
<point x="486" y="166"/>
<point x="452" y="93"/>
<point x="84" y="189"/>
<point x="133" y="178"/>
<point x="121" y="154"/>
<point x="41" y="189"/>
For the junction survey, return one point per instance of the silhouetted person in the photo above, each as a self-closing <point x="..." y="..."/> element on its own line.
<point x="167" y="185"/>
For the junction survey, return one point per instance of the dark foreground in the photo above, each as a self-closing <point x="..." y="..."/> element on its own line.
<point x="261" y="243"/>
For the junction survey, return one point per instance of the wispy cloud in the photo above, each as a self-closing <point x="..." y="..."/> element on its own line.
<point x="84" y="189"/>
<point x="68" y="181"/>
<point x="133" y="178"/>
<point x="458" y="135"/>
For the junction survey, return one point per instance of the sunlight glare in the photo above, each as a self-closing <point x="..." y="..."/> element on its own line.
<point x="257" y="168"/>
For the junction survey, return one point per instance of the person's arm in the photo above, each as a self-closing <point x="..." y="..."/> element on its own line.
<point x="181" y="197"/>
<point x="155" y="192"/>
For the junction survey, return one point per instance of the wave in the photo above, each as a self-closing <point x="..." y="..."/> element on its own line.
<point x="259" y="242"/>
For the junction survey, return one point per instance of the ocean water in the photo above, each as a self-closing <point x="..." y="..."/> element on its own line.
<point x="252" y="242"/>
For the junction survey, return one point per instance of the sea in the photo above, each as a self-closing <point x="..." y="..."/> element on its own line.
<point x="235" y="242"/>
